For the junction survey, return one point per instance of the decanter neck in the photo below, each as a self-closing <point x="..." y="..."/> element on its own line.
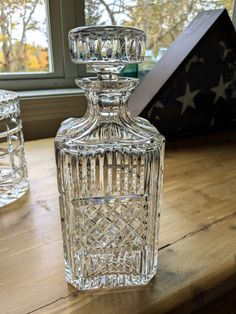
<point x="108" y="104"/>
<point x="108" y="94"/>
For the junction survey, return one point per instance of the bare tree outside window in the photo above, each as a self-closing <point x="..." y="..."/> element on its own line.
<point x="162" y="20"/>
<point x="23" y="36"/>
<point x="24" y="39"/>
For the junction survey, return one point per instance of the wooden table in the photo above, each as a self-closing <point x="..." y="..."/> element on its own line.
<point x="197" y="260"/>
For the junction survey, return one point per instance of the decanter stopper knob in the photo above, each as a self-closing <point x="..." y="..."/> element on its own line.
<point x="107" y="45"/>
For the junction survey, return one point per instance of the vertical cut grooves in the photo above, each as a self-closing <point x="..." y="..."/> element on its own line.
<point x="126" y="173"/>
<point x="118" y="171"/>
<point x="110" y="217"/>
<point x="109" y="172"/>
<point x="93" y="175"/>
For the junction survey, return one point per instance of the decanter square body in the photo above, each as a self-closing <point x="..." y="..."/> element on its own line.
<point x="109" y="167"/>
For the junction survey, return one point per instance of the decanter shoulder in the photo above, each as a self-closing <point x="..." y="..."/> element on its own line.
<point x="147" y="128"/>
<point x="107" y="130"/>
<point x="70" y="127"/>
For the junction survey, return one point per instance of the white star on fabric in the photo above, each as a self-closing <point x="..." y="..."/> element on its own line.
<point x="194" y="59"/>
<point x="212" y="122"/>
<point x="187" y="99"/>
<point x="220" y="89"/>
<point x="158" y="104"/>
<point x="226" y="51"/>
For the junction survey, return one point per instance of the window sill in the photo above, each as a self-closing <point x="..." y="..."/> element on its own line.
<point x="43" y="111"/>
<point x="48" y="93"/>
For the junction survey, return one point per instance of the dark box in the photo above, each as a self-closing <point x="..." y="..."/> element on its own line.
<point x="192" y="89"/>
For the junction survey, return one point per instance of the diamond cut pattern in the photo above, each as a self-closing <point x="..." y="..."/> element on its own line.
<point x="112" y="222"/>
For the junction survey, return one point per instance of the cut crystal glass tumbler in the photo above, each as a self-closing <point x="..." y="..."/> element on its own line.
<point x="109" y="167"/>
<point x="13" y="171"/>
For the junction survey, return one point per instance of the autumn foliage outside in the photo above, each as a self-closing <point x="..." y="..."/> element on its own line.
<point x="20" y="26"/>
<point x="24" y="37"/>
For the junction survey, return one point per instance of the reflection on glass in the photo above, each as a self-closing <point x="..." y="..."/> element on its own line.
<point x="24" y="39"/>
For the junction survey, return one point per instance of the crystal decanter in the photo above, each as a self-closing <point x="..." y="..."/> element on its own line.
<point x="109" y="167"/>
<point x="13" y="169"/>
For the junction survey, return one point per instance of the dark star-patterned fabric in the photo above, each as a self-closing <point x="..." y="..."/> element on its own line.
<point x="201" y="95"/>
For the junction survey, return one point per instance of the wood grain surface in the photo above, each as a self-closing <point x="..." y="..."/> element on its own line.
<point x="197" y="257"/>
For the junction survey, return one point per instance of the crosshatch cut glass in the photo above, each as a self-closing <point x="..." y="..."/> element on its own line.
<point x="13" y="170"/>
<point x="109" y="167"/>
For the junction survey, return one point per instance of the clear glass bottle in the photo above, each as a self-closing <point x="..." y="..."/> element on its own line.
<point x="13" y="170"/>
<point x="109" y="167"/>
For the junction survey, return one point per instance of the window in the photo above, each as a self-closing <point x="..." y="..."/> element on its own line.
<point x="162" y="20"/>
<point x="34" y="51"/>
<point x="24" y="45"/>
<point x="46" y="40"/>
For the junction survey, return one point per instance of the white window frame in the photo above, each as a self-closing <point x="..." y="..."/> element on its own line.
<point x="63" y="15"/>
<point x="234" y="13"/>
<point x="48" y="99"/>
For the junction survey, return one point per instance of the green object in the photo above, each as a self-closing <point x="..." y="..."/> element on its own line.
<point x="131" y="70"/>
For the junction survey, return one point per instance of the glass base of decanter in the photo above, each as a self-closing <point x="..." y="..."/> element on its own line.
<point x="11" y="193"/>
<point x="108" y="280"/>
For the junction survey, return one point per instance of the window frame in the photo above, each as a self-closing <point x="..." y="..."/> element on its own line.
<point x="63" y="15"/>
<point x="234" y="13"/>
<point x="45" y="102"/>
